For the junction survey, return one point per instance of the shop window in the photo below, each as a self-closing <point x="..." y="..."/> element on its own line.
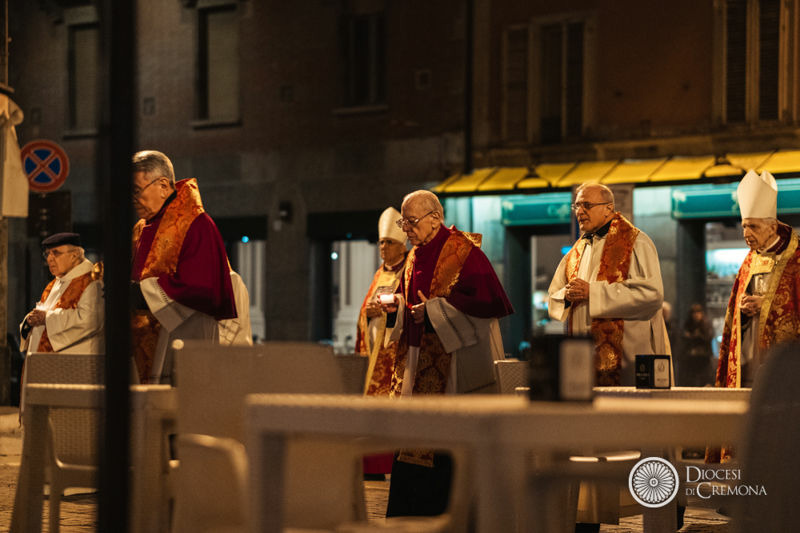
<point x="363" y="48"/>
<point x="218" y="62"/>
<point x="545" y="81"/>
<point x="83" y="61"/>
<point x="754" y="41"/>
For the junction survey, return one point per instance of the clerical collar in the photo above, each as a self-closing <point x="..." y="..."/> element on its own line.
<point x="601" y="232"/>
<point x="164" y="207"/>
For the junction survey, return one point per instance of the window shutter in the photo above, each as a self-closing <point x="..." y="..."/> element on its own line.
<point x="736" y="60"/>
<point x="552" y="61"/>
<point x="515" y="90"/>
<point x="574" y="103"/>
<point x="768" y="56"/>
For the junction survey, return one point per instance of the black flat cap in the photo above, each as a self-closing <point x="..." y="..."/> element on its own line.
<point x="58" y="239"/>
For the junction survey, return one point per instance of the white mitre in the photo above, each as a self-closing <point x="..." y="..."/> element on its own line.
<point x="758" y="195"/>
<point x="387" y="226"/>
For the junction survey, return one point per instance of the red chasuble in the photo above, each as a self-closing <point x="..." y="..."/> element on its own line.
<point x="182" y="247"/>
<point x="453" y="267"/>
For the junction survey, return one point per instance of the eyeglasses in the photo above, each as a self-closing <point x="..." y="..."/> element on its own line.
<point x="56" y="253"/>
<point x="137" y="194"/>
<point x="586" y="206"/>
<point x="411" y="221"/>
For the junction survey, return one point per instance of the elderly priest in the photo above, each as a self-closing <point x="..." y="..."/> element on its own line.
<point x="181" y="283"/>
<point x="69" y="315"/>
<point x="764" y="307"/>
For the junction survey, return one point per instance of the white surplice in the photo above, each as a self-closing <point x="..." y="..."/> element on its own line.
<point x="637" y="300"/>
<point x="474" y="343"/>
<point x="177" y="322"/>
<point x="78" y="330"/>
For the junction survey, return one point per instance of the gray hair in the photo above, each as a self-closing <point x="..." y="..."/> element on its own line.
<point x="154" y="162"/>
<point x="428" y="200"/>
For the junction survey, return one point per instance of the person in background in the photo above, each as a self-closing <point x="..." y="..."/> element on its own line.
<point x="445" y="316"/>
<point x="180" y="278"/>
<point x="695" y="351"/>
<point x="371" y="329"/>
<point x="69" y="316"/>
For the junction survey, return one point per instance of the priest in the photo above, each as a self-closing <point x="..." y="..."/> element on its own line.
<point x="371" y="328"/>
<point x="181" y="283"/>
<point x="608" y="286"/>
<point x="764" y="306"/>
<point x="69" y="316"/>
<point x="446" y="309"/>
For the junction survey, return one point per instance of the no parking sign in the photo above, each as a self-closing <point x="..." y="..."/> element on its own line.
<point x="46" y="164"/>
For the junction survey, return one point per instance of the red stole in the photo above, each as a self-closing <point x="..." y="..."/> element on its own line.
<point x="68" y="300"/>
<point x="607" y="333"/>
<point x="162" y="258"/>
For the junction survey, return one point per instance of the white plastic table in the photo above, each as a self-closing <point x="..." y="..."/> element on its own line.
<point x="153" y="413"/>
<point x="498" y="433"/>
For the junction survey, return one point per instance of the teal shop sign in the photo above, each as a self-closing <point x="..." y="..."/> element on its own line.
<point x="536" y="210"/>
<point x="719" y="201"/>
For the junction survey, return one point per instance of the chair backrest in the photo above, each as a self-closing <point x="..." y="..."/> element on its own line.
<point x="73" y="432"/>
<point x="72" y="368"/>
<point x="769" y="456"/>
<point x="511" y="373"/>
<point x="213" y="380"/>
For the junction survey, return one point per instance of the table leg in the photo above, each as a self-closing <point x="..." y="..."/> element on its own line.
<point x="500" y="477"/>
<point x="267" y="465"/>
<point x="27" y="513"/>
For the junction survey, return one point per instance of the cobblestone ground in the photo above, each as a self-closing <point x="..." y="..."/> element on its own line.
<point x="79" y="507"/>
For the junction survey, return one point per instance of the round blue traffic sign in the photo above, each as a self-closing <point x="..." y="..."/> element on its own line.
<point x="46" y="164"/>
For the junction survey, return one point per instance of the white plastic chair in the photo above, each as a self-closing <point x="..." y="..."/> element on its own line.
<point x="511" y="373"/>
<point x="72" y="433"/>
<point x="212" y="382"/>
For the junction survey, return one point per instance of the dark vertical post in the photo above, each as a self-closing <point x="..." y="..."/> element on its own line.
<point x="690" y="269"/>
<point x="116" y="142"/>
<point x="469" y="42"/>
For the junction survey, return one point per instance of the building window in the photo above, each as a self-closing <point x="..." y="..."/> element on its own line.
<point x="83" y="60"/>
<point x="545" y="81"/>
<point x="218" y="62"/>
<point x="364" y="44"/>
<point x="756" y="56"/>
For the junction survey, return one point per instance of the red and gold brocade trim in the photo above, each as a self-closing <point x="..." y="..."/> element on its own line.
<point x="68" y="300"/>
<point x="162" y="258"/>
<point x="615" y="262"/>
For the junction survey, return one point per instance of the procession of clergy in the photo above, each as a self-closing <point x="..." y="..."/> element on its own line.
<point x="429" y="321"/>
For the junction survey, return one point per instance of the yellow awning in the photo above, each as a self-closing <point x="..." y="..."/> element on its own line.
<point x="547" y="174"/>
<point x="504" y="179"/>
<point x="783" y="162"/>
<point x="587" y="172"/>
<point x="469" y="182"/>
<point x="633" y="171"/>
<point x="683" y="168"/>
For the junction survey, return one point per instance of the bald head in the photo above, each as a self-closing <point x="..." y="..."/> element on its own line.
<point x="594" y="206"/>
<point x="422" y="215"/>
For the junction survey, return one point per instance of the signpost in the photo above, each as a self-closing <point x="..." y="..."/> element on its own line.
<point x="46" y="164"/>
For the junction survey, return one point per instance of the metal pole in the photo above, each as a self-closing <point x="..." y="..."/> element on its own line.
<point x="117" y="130"/>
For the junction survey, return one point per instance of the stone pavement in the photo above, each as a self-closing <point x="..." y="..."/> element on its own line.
<point x="79" y="506"/>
